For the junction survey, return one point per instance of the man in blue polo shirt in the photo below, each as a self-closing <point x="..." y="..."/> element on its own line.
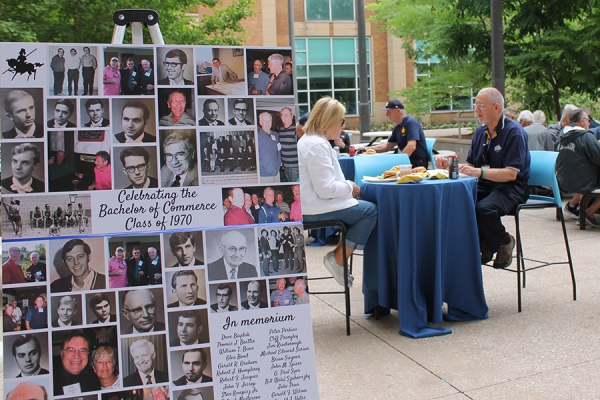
<point x="499" y="157"/>
<point x="408" y="135"/>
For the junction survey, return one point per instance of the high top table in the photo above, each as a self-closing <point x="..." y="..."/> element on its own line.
<point x="423" y="252"/>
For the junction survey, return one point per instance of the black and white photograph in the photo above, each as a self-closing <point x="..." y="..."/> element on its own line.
<point x="223" y="297"/>
<point x="101" y="308"/>
<point x="253" y="294"/>
<point x="128" y="71"/>
<point x="66" y="311"/>
<point x="94" y="112"/>
<point x="26" y="355"/>
<point x="191" y="366"/>
<point x="186" y="249"/>
<point x="47" y="216"/>
<point x="188" y="327"/>
<point x="176" y="107"/>
<point x="231" y="254"/>
<point x="62" y="114"/>
<point x="135" y="167"/>
<point x="24" y="112"/>
<point x="187" y="288"/>
<point x="175" y="66"/>
<point x="142" y="310"/>
<point x="197" y="393"/>
<point x="211" y="111"/>
<point x="240" y="111"/>
<point x="133" y="120"/>
<point x="24" y="166"/>
<point x="230" y="154"/>
<point x="178" y="158"/>
<point x="144" y="360"/>
<point x="78" y="264"/>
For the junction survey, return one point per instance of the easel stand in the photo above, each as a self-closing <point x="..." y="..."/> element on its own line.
<point x="136" y="18"/>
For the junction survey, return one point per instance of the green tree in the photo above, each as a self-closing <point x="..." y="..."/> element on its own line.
<point x="77" y="21"/>
<point x="549" y="44"/>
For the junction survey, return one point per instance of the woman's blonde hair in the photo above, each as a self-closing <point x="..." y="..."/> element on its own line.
<point x="326" y="113"/>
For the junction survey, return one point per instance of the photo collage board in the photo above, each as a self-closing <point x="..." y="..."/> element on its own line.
<point x="153" y="245"/>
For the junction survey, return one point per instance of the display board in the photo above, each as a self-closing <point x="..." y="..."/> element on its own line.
<point x="153" y="243"/>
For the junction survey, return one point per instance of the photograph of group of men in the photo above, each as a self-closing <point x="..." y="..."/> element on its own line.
<point x="73" y="65"/>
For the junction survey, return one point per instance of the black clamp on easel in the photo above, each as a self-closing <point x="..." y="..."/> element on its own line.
<point x="136" y="18"/>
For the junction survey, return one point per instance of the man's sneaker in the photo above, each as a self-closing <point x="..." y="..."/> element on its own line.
<point x="486" y="253"/>
<point x="337" y="271"/>
<point x="572" y="210"/>
<point x="504" y="255"/>
<point x="592" y="221"/>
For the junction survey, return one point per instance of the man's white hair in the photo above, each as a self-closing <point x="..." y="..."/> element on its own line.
<point x="141" y="343"/>
<point x="569" y="108"/>
<point x="539" y="117"/>
<point x="494" y="95"/>
<point x="525" y="116"/>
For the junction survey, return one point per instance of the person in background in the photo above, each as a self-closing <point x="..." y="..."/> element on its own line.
<point x="73" y="63"/>
<point x="111" y="77"/>
<point x="146" y="79"/>
<point x="37" y="316"/>
<point x="12" y="272"/>
<point x="117" y="269"/>
<point x="257" y="79"/>
<point x="102" y="172"/>
<point x="57" y="65"/>
<point x="88" y="71"/>
<point x="326" y="194"/>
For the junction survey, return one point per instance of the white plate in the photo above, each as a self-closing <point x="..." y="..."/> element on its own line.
<point x="378" y="179"/>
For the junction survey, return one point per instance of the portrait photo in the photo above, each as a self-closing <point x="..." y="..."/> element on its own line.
<point x="26" y="355"/>
<point x="223" y="297"/>
<point x="282" y="292"/>
<point x="48" y="215"/>
<point x="198" y="393"/>
<point x="145" y="360"/>
<point x="188" y="327"/>
<point x="94" y="112"/>
<point x="24" y="258"/>
<point x="211" y="111"/>
<point x="101" y="308"/>
<point x="62" y="113"/>
<point x="231" y="254"/>
<point x="240" y="111"/>
<point x="77" y="264"/>
<point x="178" y="158"/>
<point x="24" y="166"/>
<point x="74" y="70"/>
<point x="133" y="120"/>
<point x="186" y="288"/>
<point x="128" y="71"/>
<point x="23" y="113"/>
<point x="176" y="107"/>
<point x="135" y="167"/>
<point x="66" y="311"/>
<point x="34" y="389"/>
<point x="253" y="294"/>
<point x="75" y="354"/>
<point x="175" y="66"/>
<point x="186" y="249"/>
<point x="142" y="310"/>
<point x="191" y="366"/>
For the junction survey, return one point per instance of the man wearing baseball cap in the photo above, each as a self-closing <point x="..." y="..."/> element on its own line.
<point x="117" y="269"/>
<point x="112" y="78"/>
<point x="408" y="135"/>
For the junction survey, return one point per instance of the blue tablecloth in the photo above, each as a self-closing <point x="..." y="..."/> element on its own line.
<point x="424" y="251"/>
<point x="347" y="165"/>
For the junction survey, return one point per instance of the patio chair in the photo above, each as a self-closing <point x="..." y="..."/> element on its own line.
<point x="347" y="269"/>
<point x="373" y="165"/>
<point x="542" y="174"/>
<point x="430" y="143"/>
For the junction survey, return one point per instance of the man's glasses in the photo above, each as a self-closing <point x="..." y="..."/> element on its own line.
<point x="171" y="64"/>
<point x="72" y="351"/>
<point x="181" y="156"/>
<point x="343" y="121"/>
<point x="137" y="312"/>
<point x="233" y="249"/>
<point x="131" y="169"/>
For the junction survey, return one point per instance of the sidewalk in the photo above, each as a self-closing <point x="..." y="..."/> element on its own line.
<point x="550" y="350"/>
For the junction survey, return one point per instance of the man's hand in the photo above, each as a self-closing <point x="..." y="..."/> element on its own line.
<point x="339" y="142"/>
<point x="441" y="162"/>
<point x="469" y="170"/>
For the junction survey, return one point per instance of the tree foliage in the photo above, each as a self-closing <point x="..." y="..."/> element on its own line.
<point x="550" y="46"/>
<point x="90" y="21"/>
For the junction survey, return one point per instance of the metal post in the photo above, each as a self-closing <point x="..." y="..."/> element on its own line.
<point x="497" y="45"/>
<point x="292" y="39"/>
<point x="364" y="108"/>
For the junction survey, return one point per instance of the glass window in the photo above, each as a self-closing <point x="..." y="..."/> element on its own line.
<point x="329" y="10"/>
<point x="329" y="67"/>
